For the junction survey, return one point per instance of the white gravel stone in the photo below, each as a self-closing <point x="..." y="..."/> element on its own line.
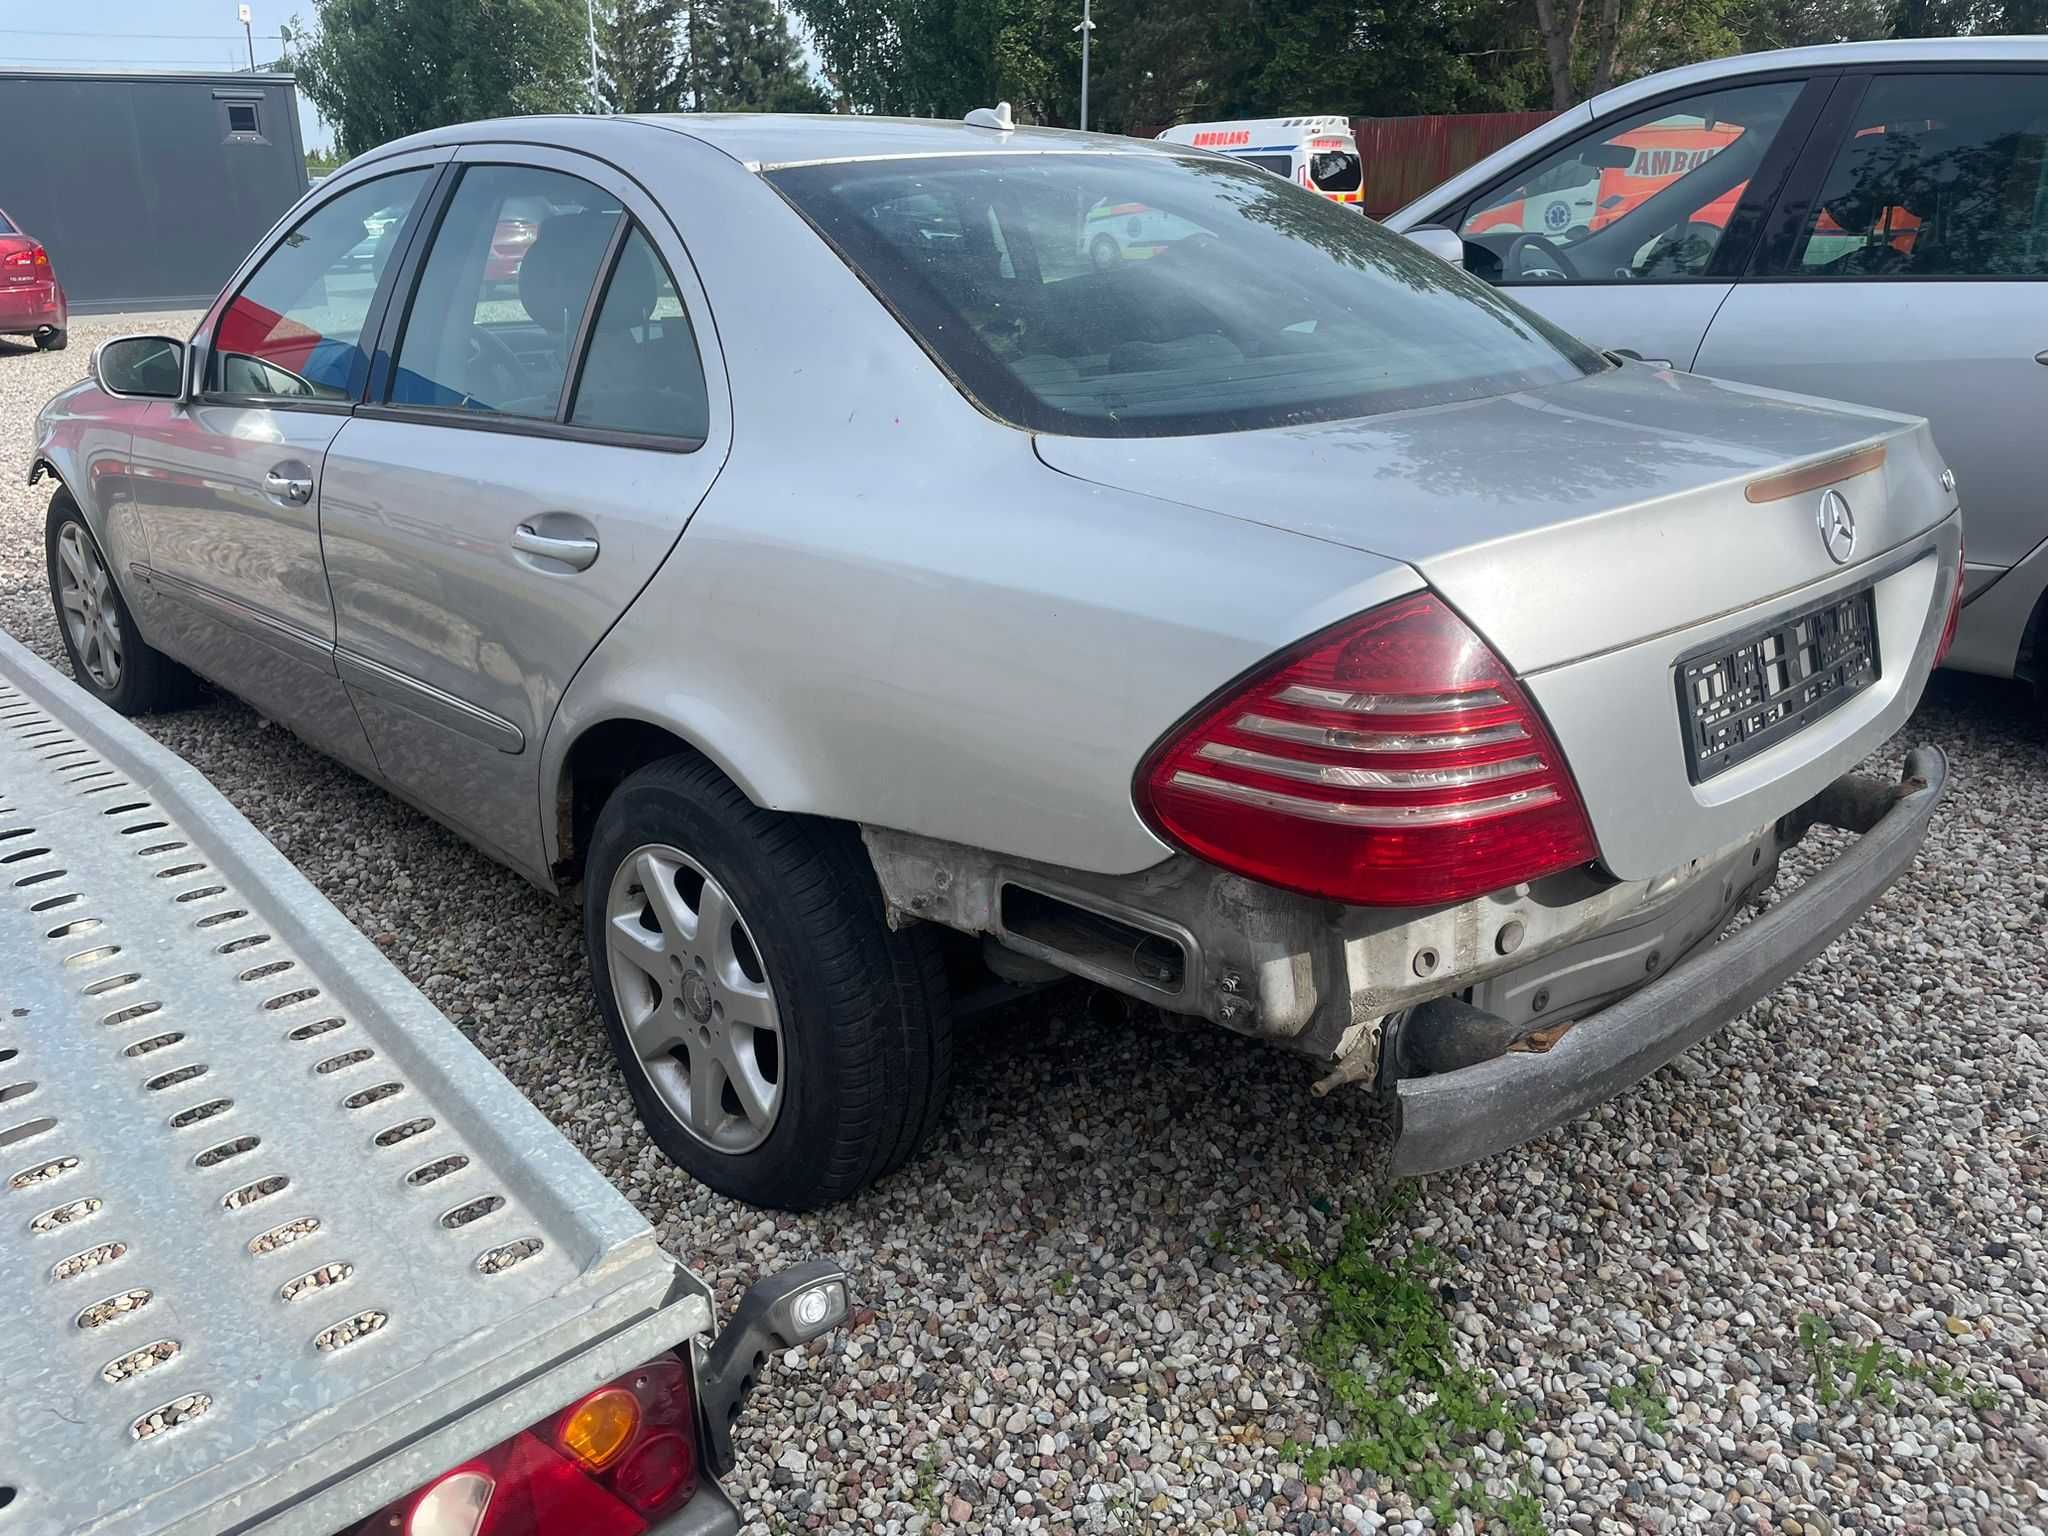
<point x="1869" y="1145"/>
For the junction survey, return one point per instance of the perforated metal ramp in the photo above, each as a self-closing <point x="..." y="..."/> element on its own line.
<point x="276" y="1243"/>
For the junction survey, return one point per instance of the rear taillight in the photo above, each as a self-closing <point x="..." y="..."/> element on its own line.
<point x="613" y="1463"/>
<point x="1389" y="761"/>
<point x="1955" y="612"/>
<point x="22" y="260"/>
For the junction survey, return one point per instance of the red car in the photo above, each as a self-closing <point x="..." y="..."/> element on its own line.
<point x="32" y="301"/>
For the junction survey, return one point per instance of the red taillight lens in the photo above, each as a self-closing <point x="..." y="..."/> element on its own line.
<point x="1955" y="612"/>
<point x="610" y="1464"/>
<point x="1390" y="761"/>
<point x="22" y="260"/>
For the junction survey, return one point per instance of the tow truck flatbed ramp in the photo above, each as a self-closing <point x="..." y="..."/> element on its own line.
<point x="276" y="1243"/>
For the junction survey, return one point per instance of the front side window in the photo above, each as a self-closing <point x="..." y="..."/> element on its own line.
<point x="502" y="292"/>
<point x="1256" y="303"/>
<point x="295" y="331"/>
<point x="1280" y="165"/>
<point x="641" y="372"/>
<point x="1648" y="198"/>
<point x="1940" y="176"/>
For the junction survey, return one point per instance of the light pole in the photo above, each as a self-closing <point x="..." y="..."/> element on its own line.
<point x="249" y="37"/>
<point x="1086" y="29"/>
<point x="590" y="20"/>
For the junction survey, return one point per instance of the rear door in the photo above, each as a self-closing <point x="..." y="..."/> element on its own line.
<point x="1629" y="235"/>
<point x="1907" y="267"/>
<point x="228" y="483"/>
<point x="529" y="454"/>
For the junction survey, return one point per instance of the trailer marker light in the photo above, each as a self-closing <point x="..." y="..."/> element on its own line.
<point x="600" y="1427"/>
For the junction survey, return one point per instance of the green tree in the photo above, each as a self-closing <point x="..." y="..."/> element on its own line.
<point x="744" y="58"/>
<point x="380" y="69"/>
<point x="941" y="58"/>
<point x="641" y="64"/>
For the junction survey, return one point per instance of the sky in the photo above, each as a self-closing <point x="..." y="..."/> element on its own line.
<point x="151" y="34"/>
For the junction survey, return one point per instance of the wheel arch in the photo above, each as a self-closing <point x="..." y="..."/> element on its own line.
<point x="582" y="765"/>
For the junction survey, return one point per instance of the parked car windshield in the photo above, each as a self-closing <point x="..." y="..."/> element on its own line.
<point x="1148" y="295"/>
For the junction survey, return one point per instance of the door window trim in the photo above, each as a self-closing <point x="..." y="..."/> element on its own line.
<point x="203" y="337"/>
<point x="1771" y="262"/>
<point x="376" y="404"/>
<point x="1751" y="213"/>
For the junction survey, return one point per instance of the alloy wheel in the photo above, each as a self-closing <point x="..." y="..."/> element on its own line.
<point x="694" y="998"/>
<point x="85" y="594"/>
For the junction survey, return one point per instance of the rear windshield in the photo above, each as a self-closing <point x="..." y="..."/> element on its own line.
<point x="1335" y="170"/>
<point x="1147" y="295"/>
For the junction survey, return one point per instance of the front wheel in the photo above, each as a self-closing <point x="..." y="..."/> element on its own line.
<point x="1105" y="253"/>
<point x="780" y="1042"/>
<point x="109" y="657"/>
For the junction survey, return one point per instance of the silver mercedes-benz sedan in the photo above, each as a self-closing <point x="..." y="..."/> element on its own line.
<point x="780" y="531"/>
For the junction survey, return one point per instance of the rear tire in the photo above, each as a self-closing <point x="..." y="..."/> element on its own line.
<point x="52" y="341"/>
<point x="109" y="658"/>
<point x="780" y="1042"/>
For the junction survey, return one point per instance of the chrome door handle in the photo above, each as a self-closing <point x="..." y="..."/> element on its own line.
<point x="577" y="554"/>
<point x="293" y="488"/>
<point x="2041" y="357"/>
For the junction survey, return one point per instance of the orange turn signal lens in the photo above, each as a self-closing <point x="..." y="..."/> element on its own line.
<point x="600" y="1427"/>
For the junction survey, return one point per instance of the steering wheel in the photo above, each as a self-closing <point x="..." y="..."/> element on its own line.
<point x="1549" y="264"/>
<point x="488" y="351"/>
<point x="1684" y="250"/>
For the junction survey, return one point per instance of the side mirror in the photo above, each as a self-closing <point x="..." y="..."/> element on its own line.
<point x="1444" y="244"/>
<point x="779" y="1312"/>
<point x="141" y="367"/>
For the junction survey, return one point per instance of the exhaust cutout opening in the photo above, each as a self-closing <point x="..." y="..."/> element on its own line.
<point x="1092" y="943"/>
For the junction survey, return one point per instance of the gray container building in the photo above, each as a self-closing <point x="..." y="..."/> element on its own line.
<point x="147" y="188"/>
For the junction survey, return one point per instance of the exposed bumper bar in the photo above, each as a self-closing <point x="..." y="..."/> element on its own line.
<point x="1454" y="1118"/>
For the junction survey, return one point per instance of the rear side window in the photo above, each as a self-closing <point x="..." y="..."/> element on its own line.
<point x="7" y="226"/>
<point x="641" y="372"/>
<point x="502" y="294"/>
<point x="294" y="332"/>
<point x="1145" y="295"/>
<point x="1940" y="176"/>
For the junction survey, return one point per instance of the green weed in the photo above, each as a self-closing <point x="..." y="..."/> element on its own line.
<point x="1413" y="1416"/>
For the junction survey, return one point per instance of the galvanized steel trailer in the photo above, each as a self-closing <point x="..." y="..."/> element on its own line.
<point x="277" y="1245"/>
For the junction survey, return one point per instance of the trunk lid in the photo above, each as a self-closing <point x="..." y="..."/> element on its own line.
<point x="1568" y="521"/>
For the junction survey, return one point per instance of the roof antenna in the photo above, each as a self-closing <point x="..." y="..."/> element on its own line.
<point x="996" y="117"/>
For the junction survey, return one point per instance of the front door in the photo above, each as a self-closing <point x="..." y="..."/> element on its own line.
<point x="1914" y="276"/>
<point x="1626" y="236"/>
<point x="543" y="437"/>
<point x="228" y="483"/>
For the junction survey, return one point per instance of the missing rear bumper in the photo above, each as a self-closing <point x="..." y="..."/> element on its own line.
<point x="1450" y="1118"/>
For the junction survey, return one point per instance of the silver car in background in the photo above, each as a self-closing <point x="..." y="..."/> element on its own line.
<point x="1867" y="221"/>
<point x="816" y="559"/>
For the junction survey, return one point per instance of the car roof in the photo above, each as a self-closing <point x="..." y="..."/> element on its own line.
<point x="1957" y="51"/>
<point x="766" y="140"/>
<point x="1917" y="50"/>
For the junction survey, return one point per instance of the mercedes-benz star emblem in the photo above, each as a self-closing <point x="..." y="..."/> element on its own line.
<point x="1837" y="527"/>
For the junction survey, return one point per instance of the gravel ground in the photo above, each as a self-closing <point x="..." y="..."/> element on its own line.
<point x="1072" y="1319"/>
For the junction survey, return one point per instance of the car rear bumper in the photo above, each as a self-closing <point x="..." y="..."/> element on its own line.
<point x="1451" y="1118"/>
<point x="35" y="307"/>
